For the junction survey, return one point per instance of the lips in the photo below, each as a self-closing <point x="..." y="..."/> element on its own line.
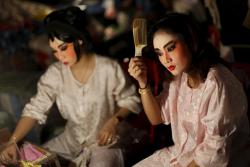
<point x="65" y="63"/>
<point x="171" y="68"/>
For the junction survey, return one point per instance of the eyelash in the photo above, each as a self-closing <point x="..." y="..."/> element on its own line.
<point x="63" y="48"/>
<point x="158" y="54"/>
<point x="169" y="49"/>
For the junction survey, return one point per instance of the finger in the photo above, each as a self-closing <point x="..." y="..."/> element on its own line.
<point x="109" y="140"/>
<point x="137" y="73"/>
<point x="135" y="68"/>
<point x="139" y="65"/>
<point x="7" y="158"/>
<point x="135" y="61"/>
<point x="3" y="159"/>
<point x="101" y="139"/>
<point x="137" y="58"/>
<point x="139" y="70"/>
<point x="104" y="139"/>
<point x="139" y="61"/>
<point x="14" y="158"/>
<point x="131" y="61"/>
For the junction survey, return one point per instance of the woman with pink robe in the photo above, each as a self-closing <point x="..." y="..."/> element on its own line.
<point x="201" y="99"/>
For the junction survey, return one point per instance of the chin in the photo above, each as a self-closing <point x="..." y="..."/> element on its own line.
<point x="175" y="73"/>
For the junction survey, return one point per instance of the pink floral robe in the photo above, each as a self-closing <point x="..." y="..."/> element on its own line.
<point x="209" y="123"/>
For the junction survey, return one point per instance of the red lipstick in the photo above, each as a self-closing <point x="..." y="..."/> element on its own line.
<point x="171" y="68"/>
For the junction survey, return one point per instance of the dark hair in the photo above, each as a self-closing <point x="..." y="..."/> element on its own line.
<point x="204" y="55"/>
<point x="69" y="25"/>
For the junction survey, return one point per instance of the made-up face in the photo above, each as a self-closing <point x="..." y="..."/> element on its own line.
<point x="64" y="52"/>
<point x="172" y="52"/>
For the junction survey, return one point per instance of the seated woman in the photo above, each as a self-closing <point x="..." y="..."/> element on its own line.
<point x="91" y="92"/>
<point x="201" y="99"/>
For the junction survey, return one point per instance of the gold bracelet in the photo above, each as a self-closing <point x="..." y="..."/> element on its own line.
<point x="145" y="90"/>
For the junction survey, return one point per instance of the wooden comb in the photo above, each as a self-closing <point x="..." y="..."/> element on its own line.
<point x="140" y="35"/>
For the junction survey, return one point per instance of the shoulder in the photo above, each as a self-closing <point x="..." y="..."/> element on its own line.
<point x="221" y="80"/>
<point x="106" y="61"/>
<point x="53" y="71"/>
<point x="221" y="75"/>
<point x="107" y="64"/>
<point x="57" y="66"/>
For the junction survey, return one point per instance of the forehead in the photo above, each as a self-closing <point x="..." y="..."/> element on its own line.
<point x="55" y="43"/>
<point x="161" y="38"/>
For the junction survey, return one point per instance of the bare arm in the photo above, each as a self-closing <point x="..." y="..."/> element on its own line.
<point x="9" y="154"/>
<point x="138" y="70"/>
<point x="121" y="114"/>
<point x="24" y="125"/>
<point x="151" y="106"/>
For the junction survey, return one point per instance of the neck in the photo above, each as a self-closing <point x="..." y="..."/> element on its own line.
<point x="84" y="61"/>
<point x="193" y="82"/>
<point x="83" y="69"/>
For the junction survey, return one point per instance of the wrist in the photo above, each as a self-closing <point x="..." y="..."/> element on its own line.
<point x="144" y="90"/>
<point x="12" y="140"/>
<point x="117" y="119"/>
<point x="143" y="85"/>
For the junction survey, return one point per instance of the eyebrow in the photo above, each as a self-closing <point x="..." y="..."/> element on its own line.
<point x="59" y="46"/>
<point x="166" y="45"/>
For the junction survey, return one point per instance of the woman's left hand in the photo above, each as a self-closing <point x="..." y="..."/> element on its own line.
<point x="108" y="133"/>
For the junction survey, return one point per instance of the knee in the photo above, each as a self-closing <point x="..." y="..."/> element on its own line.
<point x="106" y="157"/>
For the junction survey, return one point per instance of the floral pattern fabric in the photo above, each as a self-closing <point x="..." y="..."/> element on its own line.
<point x="209" y="123"/>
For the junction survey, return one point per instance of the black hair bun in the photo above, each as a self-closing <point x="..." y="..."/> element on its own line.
<point x="73" y="16"/>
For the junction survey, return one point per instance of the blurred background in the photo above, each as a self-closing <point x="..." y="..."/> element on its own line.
<point x="25" y="54"/>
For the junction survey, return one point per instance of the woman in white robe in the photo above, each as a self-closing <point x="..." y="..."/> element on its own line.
<point x="92" y="93"/>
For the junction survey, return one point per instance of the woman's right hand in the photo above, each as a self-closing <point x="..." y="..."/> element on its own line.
<point x="9" y="154"/>
<point x="137" y="68"/>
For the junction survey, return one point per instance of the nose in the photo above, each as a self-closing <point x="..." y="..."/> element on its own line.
<point x="167" y="57"/>
<point x="60" y="56"/>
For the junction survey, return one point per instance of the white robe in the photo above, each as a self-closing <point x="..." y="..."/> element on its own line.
<point x="86" y="107"/>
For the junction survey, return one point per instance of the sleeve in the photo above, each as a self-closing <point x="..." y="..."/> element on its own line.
<point x="125" y="92"/>
<point x="39" y="104"/>
<point x="220" y="123"/>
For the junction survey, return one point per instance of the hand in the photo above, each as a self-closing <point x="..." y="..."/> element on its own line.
<point x="138" y="69"/>
<point x="9" y="154"/>
<point x="108" y="133"/>
<point x="193" y="164"/>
